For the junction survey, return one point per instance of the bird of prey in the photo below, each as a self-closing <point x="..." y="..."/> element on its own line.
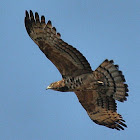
<point x="97" y="90"/>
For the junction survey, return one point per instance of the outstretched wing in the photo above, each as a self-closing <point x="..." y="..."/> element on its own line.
<point x="68" y="60"/>
<point x="101" y="109"/>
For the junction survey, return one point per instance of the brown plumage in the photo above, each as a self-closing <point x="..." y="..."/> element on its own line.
<point x="96" y="90"/>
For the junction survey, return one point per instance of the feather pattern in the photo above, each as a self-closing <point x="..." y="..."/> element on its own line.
<point x="68" y="60"/>
<point x="113" y="79"/>
<point x="97" y="90"/>
<point x="101" y="109"/>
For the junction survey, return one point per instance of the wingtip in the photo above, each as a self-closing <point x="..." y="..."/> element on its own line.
<point x="36" y="14"/>
<point x="111" y="61"/>
<point x="26" y="11"/>
<point x="49" y="24"/>
<point x="106" y="60"/>
<point x="42" y="19"/>
<point x="37" y="17"/>
<point x="58" y="35"/>
<point x="31" y="12"/>
<point x="26" y="14"/>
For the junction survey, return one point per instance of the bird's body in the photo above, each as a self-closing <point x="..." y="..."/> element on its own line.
<point x="96" y="90"/>
<point x="75" y="83"/>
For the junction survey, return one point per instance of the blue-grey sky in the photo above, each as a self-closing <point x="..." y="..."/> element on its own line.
<point x="100" y="29"/>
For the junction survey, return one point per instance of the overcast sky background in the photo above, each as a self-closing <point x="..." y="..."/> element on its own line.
<point x="100" y="29"/>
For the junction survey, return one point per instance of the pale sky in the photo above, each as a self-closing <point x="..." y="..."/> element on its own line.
<point x="99" y="30"/>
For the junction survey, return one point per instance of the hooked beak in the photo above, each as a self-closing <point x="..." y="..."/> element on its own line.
<point x="48" y="87"/>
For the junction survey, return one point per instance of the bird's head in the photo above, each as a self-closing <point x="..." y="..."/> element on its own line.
<point x="58" y="86"/>
<point x="53" y="86"/>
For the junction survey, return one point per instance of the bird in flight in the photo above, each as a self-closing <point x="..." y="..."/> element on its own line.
<point x="97" y="90"/>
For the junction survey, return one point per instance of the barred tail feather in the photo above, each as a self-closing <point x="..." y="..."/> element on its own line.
<point x="114" y="80"/>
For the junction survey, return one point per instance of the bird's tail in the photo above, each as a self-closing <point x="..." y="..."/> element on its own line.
<point x="113" y="79"/>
